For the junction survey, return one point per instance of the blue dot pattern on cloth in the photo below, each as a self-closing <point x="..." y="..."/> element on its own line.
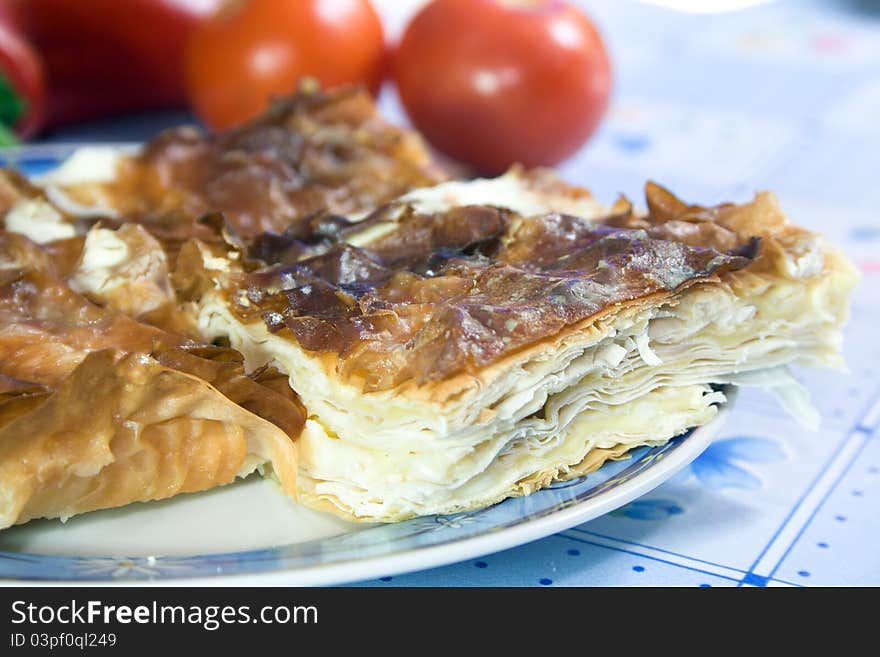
<point x="632" y="144"/>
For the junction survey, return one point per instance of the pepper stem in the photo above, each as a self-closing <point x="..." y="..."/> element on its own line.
<point x="12" y="108"/>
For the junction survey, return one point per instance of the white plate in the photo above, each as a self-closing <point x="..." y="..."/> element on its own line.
<point x="250" y="533"/>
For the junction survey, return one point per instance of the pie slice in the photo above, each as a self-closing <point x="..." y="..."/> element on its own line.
<point x="474" y="341"/>
<point x="312" y="152"/>
<point x="125" y="428"/>
<point x="99" y="410"/>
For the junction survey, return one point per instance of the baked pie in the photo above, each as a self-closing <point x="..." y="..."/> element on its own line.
<point x="311" y="296"/>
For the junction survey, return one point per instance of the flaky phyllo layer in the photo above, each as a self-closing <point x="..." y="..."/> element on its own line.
<point x="479" y="340"/>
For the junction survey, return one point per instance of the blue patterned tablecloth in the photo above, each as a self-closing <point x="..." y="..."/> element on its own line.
<point x="785" y="96"/>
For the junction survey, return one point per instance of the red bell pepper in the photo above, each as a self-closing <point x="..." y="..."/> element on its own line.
<point x="105" y="57"/>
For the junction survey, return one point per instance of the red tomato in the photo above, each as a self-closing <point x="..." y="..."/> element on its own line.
<point x="24" y="91"/>
<point x="495" y="82"/>
<point x="103" y="57"/>
<point x="255" y="49"/>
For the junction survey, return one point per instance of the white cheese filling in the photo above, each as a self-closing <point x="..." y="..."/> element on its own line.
<point x="39" y="221"/>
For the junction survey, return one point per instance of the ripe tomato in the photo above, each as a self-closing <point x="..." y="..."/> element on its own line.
<point x="22" y="88"/>
<point x="252" y="50"/>
<point x="495" y="82"/>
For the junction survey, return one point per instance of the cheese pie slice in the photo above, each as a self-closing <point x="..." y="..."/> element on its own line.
<point x="98" y="410"/>
<point x="477" y="340"/>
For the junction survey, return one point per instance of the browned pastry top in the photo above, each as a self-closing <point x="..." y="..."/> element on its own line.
<point x="47" y="329"/>
<point x="456" y="290"/>
<point x="310" y="152"/>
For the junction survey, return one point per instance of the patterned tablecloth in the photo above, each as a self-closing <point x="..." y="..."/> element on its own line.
<point x="784" y="96"/>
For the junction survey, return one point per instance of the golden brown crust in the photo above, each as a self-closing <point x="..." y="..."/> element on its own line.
<point x="311" y="152"/>
<point x="729" y="227"/>
<point x="123" y="429"/>
<point x="47" y="329"/>
<point x="458" y="290"/>
<point x="781" y="242"/>
<point x="14" y="187"/>
<point x="265" y="393"/>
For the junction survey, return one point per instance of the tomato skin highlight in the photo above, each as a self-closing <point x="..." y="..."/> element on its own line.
<point x="23" y="72"/>
<point x="252" y="50"/>
<point x="497" y="82"/>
